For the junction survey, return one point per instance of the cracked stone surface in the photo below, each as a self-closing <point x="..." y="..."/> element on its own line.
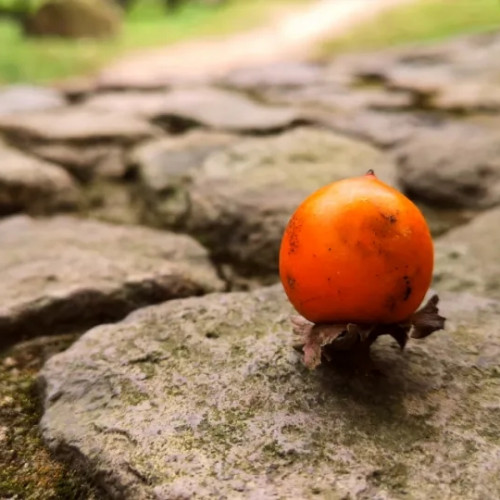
<point x="86" y="142"/>
<point x="209" y="107"/>
<point x="65" y="273"/>
<point x="205" y="397"/>
<point x="460" y="75"/>
<point x="240" y="198"/>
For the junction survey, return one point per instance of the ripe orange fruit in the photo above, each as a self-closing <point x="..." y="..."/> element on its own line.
<point x="356" y="251"/>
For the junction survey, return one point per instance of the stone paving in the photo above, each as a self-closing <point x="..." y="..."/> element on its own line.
<point x="112" y="201"/>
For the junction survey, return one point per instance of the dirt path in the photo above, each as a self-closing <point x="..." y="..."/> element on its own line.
<point x="289" y="37"/>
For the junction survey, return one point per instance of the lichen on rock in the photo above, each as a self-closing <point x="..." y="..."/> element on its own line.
<point x="206" y="397"/>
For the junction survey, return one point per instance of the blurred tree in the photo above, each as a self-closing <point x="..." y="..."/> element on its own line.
<point x="126" y="4"/>
<point x="173" y="4"/>
<point x="15" y="9"/>
<point x="74" y="19"/>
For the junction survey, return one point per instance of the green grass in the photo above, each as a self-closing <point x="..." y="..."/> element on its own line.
<point x="420" y="21"/>
<point x="44" y="61"/>
<point x="27" y="470"/>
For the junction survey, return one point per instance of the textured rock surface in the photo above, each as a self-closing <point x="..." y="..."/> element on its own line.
<point x="33" y="186"/>
<point x="65" y="273"/>
<point x="384" y="130"/>
<point x="460" y="75"/>
<point x="181" y="109"/>
<point x="86" y="142"/>
<point x="240" y="199"/>
<point x="457" y="165"/>
<point x="21" y="98"/>
<point x="205" y="397"/>
<point x="278" y="76"/>
<point x="85" y="161"/>
<point x="467" y="258"/>
<point x="164" y="163"/>
<point x="75" y="124"/>
<point x="337" y="98"/>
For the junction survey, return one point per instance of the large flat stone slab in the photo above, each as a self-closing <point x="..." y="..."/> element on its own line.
<point x="455" y="164"/>
<point x="77" y="125"/>
<point x="205" y="398"/>
<point x="237" y="200"/>
<point x="281" y="76"/>
<point x="64" y="273"/>
<point x="468" y="257"/>
<point x="87" y="142"/>
<point x="31" y="185"/>
<point x="458" y="75"/>
<point x="163" y="161"/>
<point x="25" y="98"/>
<point x="214" y="108"/>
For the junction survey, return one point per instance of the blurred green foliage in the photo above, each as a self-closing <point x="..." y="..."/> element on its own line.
<point x="145" y="25"/>
<point x="418" y="21"/>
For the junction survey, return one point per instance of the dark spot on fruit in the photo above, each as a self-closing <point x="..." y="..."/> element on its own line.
<point x="329" y="249"/>
<point x="391" y="218"/>
<point x="291" y="282"/>
<point x="408" y="288"/>
<point x="381" y="225"/>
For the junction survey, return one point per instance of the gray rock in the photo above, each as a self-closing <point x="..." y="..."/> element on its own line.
<point x="205" y="398"/>
<point x="85" y="161"/>
<point x="111" y="201"/>
<point x="164" y="163"/>
<point x="467" y="258"/>
<point x="457" y="164"/>
<point x="339" y="99"/>
<point x="384" y="130"/>
<point x="241" y="198"/>
<point x="468" y="97"/>
<point x="278" y="75"/>
<point x="76" y="125"/>
<point x="459" y="75"/>
<point x="166" y="167"/>
<point x="22" y="98"/>
<point x="87" y="142"/>
<point x="210" y="107"/>
<point x="464" y="79"/>
<point x="33" y="186"/>
<point x="64" y="273"/>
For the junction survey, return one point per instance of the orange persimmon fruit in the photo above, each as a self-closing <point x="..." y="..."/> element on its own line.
<point x="356" y="251"/>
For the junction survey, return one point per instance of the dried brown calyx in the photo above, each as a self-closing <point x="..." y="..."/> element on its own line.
<point x="323" y="341"/>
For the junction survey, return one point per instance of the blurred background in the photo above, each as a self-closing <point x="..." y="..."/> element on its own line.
<point x="48" y="40"/>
